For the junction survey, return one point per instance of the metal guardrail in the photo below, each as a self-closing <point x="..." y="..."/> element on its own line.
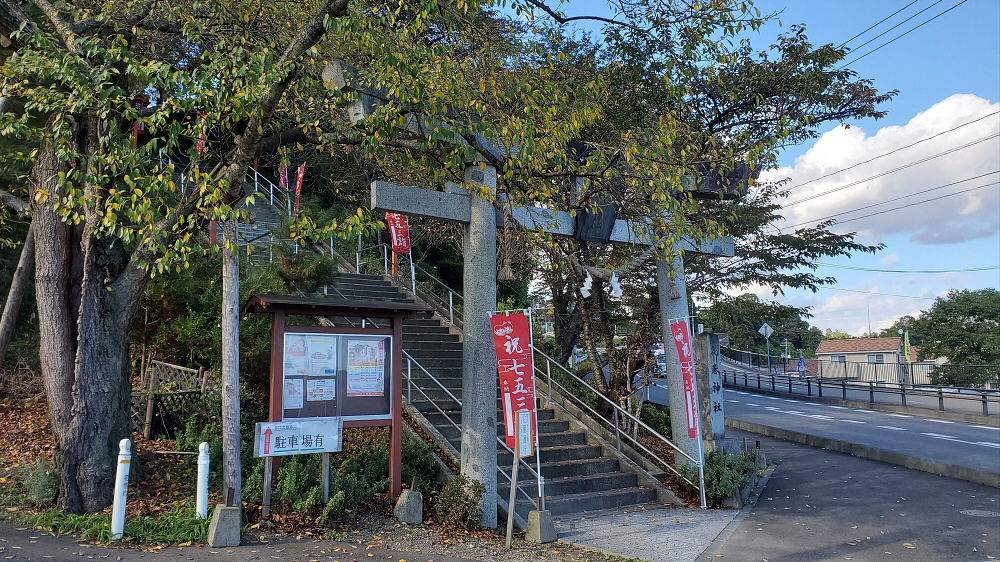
<point x="814" y="386"/>
<point x="410" y="385"/>
<point x="620" y="414"/>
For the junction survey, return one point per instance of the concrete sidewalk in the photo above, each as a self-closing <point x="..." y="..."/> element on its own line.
<point x="646" y="532"/>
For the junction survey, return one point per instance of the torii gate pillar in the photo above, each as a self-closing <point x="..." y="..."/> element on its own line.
<point x="479" y="364"/>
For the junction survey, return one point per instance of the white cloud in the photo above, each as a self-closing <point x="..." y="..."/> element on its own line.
<point x="951" y="220"/>
<point x="891" y="259"/>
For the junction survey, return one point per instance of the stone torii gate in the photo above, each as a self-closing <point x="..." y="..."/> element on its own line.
<point x="479" y="381"/>
<point x="480" y="219"/>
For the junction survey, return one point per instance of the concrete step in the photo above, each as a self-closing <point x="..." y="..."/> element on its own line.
<point x="427" y="407"/>
<point x="589" y="501"/>
<point x="374" y="288"/>
<point x="432" y="361"/>
<point x="562" y="439"/>
<point x="426" y="336"/>
<point x="555" y="454"/>
<point x="423" y="322"/>
<point x="432" y="330"/>
<point x="577" y="484"/>
<point x="451" y="345"/>
<point x="437" y="418"/>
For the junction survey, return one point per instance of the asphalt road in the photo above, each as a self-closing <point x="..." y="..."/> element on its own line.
<point x="970" y="445"/>
<point x="966" y="403"/>
<point x="822" y="505"/>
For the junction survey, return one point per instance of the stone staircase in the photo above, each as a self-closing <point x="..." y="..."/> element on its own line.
<point x="580" y="473"/>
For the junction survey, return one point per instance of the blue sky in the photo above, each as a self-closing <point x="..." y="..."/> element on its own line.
<point x="947" y="73"/>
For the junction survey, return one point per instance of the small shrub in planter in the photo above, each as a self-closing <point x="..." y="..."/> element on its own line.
<point x="725" y="474"/>
<point x="460" y="502"/>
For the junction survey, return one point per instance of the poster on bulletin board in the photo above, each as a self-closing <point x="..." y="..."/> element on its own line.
<point x="336" y="375"/>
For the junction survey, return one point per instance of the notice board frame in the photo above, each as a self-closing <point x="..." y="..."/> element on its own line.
<point x="393" y="312"/>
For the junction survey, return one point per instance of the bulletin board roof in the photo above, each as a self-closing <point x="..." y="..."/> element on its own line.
<point x="329" y="306"/>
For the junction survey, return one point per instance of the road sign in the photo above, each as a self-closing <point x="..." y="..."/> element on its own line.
<point x="766" y="330"/>
<point x="275" y="439"/>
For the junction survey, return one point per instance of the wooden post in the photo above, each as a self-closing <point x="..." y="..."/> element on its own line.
<point x="147" y="422"/>
<point x="231" y="467"/>
<point x="268" y="477"/>
<point x="396" y="430"/>
<point x="512" y="500"/>
<point x="326" y="477"/>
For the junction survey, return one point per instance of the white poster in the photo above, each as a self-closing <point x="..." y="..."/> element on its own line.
<point x="292" y="396"/>
<point x="319" y="390"/>
<point x="322" y="351"/>
<point x="296" y="355"/>
<point x="365" y="368"/>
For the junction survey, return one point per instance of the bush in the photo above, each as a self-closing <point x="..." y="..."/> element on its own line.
<point x="725" y="474"/>
<point x="41" y="482"/>
<point x="658" y="418"/>
<point x="460" y="502"/>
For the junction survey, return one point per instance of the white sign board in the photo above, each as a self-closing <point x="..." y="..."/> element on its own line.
<point x="275" y="439"/>
<point x="525" y="439"/>
<point x="766" y="330"/>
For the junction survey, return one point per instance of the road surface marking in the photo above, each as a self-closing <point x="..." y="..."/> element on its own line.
<point x="892" y="427"/>
<point x="987" y="427"/>
<point x="752" y="404"/>
<point x="898" y="415"/>
<point x="820" y="417"/>
<point x="957" y="440"/>
<point x="938" y="421"/>
<point x="837" y="407"/>
<point x="795" y="401"/>
<point x="733" y="401"/>
<point x="853" y="421"/>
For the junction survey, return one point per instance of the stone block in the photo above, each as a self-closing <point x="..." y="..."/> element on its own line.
<point x="541" y="528"/>
<point x="410" y="507"/>
<point x="224" y="529"/>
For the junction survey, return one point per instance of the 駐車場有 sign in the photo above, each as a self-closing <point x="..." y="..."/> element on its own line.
<point x="275" y="439"/>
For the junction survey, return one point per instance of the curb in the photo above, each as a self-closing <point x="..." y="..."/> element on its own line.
<point x="862" y="405"/>
<point x="864" y="451"/>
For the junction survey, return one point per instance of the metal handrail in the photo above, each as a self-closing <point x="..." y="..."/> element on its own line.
<point x="439" y="282"/>
<point x="619" y="411"/>
<point x="778" y="383"/>
<point x="409" y="379"/>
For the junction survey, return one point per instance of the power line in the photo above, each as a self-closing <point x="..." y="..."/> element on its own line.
<point x="880" y="22"/>
<point x="877" y="294"/>
<point x="906" y="32"/>
<point x="970" y="269"/>
<point x="897" y="25"/>
<point x="894" y="170"/>
<point x="892" y="152"/>
<point x="917" y="203"/>
<point x="921" y="192"/>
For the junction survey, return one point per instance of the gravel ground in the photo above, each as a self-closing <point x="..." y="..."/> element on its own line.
<point x="374" y="538"/>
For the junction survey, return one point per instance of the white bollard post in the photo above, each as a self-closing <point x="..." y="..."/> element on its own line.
<point x="121" y="489"/>
<point x="201" y="498"/>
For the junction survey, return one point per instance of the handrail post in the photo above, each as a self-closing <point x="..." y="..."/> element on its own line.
<point x="618" y="433"/>
<point x="819" y="387"/>
<point x="789" y="384"/>
<point x="385" y="259"/>
<point x="843" y="387"/>
<point x="986" y="407"/>
<point x="902" y="394"/>
<point x="409" y="381"/>
<point x="809" y="387"/>
<point x="548" y="375"/>
<point x="772" y="382"/>
<point x="451" y="307"/>
<point x="871" y="392"/>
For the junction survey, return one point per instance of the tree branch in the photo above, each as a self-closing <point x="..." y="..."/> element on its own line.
<point x="566" y="19"/>
<point x="15" y="202"/>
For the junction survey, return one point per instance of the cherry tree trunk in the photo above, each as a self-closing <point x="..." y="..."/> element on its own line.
<point x="86" y="296"/>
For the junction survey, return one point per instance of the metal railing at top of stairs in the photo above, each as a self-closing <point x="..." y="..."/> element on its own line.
<point x="620" y="415"/>
<point x="375" y="260"/>
<point x="277" y="197"/>
<point x="410" y="385"/>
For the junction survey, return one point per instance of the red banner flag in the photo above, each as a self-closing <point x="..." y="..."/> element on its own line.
<point x="298" y="186"/>
<point x="516" y="366"/>
<point x="682" y="340"/>
<point x="399" y="230"/>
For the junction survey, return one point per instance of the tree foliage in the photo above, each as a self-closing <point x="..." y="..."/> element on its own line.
<point x="964" y="327"/>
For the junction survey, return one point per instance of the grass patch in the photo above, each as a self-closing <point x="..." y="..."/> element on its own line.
<point x="176" y="526"/>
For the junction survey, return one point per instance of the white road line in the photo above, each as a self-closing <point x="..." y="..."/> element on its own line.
<point x="733" y="401"/>
<point x="957" y="440"/>
<point x="837" y="407"/>
<point x="937" y="421"/>
<point x="853" y="421"/>
<point x="987" y="427"/>
<point x="820" y="417"/>
<point x="891" y="427"/>
<point x="752" y="404"/>
<point x="794" y="401"/>
<point x="772" y="398"/>
<point x="898" y="415"/>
